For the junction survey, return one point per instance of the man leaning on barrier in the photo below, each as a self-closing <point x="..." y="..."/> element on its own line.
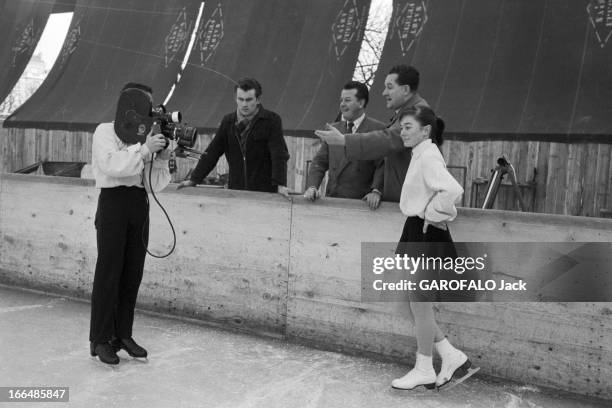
<point x="401" y="85"/>
<point x="360" y="179"/>
<point x="252" y="140"/>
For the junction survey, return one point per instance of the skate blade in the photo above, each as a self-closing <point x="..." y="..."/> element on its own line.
<point x="104" y="366"/>
<point x="453" y="383"/>
<point x="142" y="360"/>
<point x="431" y="386"/>
<point x="423" y="390"/>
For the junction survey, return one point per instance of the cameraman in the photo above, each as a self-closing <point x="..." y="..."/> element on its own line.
<point x="252" y="140"/>
<point x="122" y="156"/>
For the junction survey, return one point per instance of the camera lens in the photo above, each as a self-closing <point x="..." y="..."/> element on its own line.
<point x="175" y="117"/>
<point x="186" y="136"/>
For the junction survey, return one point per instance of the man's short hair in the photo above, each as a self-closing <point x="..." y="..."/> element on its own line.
<point x="136" y="85"/>
<point x="246" y="84"/>
<point x="362" y="91"/>
<point x="406" y="75"/>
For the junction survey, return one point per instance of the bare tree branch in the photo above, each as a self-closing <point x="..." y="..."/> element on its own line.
<point x="373" y="41"/>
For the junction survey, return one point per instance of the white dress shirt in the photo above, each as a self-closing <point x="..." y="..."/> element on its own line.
<point x="356" y="122"/>
<point x="429" y="191"/>
<point x="115" y="163"/>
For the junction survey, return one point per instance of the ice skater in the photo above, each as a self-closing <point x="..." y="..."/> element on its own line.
<point x="428" y="197"/>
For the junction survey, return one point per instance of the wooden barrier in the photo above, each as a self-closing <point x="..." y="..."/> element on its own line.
<point x="570" y="178"/>
<point x="235" y="275"/>
<point x="256" y="262"/>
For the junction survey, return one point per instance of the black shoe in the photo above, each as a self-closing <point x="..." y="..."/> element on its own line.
<point x="105" y="353"/>
<point x="130" y="346"/>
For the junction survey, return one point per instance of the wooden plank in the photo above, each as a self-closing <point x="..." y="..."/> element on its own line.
<point x="455" y="154"/>
<point x="589" y="181"/>
<point x="16" y="158"/>
<point x="89" y="146"/>
<point x="609" y="194"/>
<point x="531" y="162"/>
<point x="526" y="160"/>
<point x="53" y="145"/>
<point x="68" y="147"/>
<point x="542" y="176"/>
<point x="77" y="146"/>
<point x="574" y="179"/>
<point x="6" y="154"/>
<point x="520" y="152"/>
<point x="9" y="155"/>
<point x="507" y="226"/>
<point x="3" y="150"/>
<point x="557" y="179"/>
<point x="66" y="150"/>
<point x="3" y="147"/>
<point x="42" y="145"/>
<point x="29" y="147"/>
<point x="602" y="179"/>
<point x="478" y="170"/>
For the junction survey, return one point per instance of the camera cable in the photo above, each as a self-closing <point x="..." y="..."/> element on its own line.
<point x="147" y="220"/>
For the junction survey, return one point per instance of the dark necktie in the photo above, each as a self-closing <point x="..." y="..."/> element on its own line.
<point x="349" y="127"/>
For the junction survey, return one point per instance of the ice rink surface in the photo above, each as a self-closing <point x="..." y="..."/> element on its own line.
<point x="44" y="342"/>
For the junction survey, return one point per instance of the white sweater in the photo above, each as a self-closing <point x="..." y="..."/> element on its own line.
<point x="429" y="191"/>
<point x="114" y="163"/>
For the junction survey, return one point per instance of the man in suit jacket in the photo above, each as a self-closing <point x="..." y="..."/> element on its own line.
<point x="361" y="179"/>
<point x="401" y="85"/>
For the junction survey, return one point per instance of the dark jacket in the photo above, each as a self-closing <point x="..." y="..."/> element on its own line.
<point x="386" y="143"/>
<point x="263" y="164"/>
<point x="347" y="179"/>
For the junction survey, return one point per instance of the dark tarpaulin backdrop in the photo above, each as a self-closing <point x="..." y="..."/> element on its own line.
<point x="507" y="69"/>
<point x="63" y="6"/>
<point x="302" y="52"/>
<point x="21" y="24"/>
<point x="109" y="43"/>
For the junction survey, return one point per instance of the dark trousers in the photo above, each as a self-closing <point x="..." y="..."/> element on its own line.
<point x="121" y="215"/>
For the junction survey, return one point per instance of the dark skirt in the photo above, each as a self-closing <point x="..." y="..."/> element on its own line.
<point x="435" y="243"/>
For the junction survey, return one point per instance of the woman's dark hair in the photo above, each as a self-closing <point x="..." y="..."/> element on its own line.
<point x="426" y="116"/>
